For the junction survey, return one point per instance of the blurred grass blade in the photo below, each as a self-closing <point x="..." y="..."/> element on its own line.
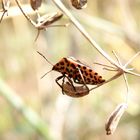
<point x="32" y="118"/>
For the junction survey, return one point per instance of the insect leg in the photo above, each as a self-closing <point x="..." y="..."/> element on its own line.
<point x="82" y="78"/>
<point x="58" y="78"/>
<point x="71" y="82"/>
<point x="63" y="81"/>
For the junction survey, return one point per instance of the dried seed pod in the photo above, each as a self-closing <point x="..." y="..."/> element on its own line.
<point x="48" y="19"/>
<point x="44" y="21"/>
<point x="35" y="4"/>
<point x="114" y="118"/>
<point x="76" y="91"/>
<point x="79" y="4"/>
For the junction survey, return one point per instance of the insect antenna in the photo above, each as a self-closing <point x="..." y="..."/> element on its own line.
<point x="45" y="74"/>
<point x="47" y="61"/>
<point x="45" y="58"/>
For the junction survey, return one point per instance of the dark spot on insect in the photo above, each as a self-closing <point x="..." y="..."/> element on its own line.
<point x="88" y="79"/>
<point x="84" y="77"/>
<point x="65" y="59"/>
<point x="67" y="69"/>
<point x="84" y="67"/>
<point x="86" y="73"/>
<point x="93" y="81"/>
<point x="57" y="64"/>
<point x="68" y="64"/>
<point x="76" y="71"/>
<point x="70" y="75"/>
<point x="100" y="77"/>
<point x="91" y="76"/>
<point x="82" y="71"/>
<point x="78" y="66"/>
<point x="95" y="78"/>
<point x="61" y="63"/>
<point x="90" y="70"/>
<point x="95" y="73"/>
<point x="73" y="66"/>
<point x="55" y="68"/>
<point x="71" y="71"/>
<point x="61" y="68"/>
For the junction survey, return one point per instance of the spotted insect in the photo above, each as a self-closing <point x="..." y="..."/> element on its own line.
<point x="74" y="69"/>
<point x="70" y="66"/>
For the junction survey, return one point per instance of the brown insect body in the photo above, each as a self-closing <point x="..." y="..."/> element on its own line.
<point x="69" y="66"/>
<point x="79" y="91"/>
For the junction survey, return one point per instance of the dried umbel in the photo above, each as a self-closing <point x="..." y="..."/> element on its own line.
<point x="79" y="4"/>
<point x="35" y="4"/>
<point x="114" y="118"/>
<point x="76" y="91"/>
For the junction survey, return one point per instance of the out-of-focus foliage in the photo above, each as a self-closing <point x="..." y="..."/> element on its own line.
<point x="115" y="26"/>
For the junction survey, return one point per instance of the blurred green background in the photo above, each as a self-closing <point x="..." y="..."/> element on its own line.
<point x="114" y="25"/>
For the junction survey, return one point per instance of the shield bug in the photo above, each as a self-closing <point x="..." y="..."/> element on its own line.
<point x="70" y="66"/>
<point x="75" y="70"/>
